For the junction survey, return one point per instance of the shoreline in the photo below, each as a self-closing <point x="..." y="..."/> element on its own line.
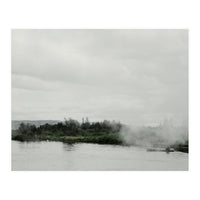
<point x="104" y="139"/>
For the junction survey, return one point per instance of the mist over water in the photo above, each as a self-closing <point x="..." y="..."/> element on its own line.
<point x="163" y="135"/>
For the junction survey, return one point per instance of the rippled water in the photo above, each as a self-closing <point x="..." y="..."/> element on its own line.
<point x="61" y="156"/>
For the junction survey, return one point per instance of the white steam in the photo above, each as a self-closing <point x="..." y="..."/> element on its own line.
<point x="154" y="136"/>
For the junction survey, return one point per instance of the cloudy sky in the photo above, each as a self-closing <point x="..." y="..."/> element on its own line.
<point x="135" y="76"/>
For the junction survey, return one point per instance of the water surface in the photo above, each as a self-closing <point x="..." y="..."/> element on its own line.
<point x="61" y="156"/>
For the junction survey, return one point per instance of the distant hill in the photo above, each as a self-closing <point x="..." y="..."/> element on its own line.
<point x="37" y="123"/>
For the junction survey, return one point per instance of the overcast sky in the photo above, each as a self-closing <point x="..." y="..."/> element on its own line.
<point x="139" y="77"/>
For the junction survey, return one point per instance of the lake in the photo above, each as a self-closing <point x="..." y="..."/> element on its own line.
<point x="56" y="156"/>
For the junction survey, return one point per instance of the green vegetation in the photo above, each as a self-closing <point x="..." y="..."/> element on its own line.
<point x="106" y="132"/>
<point x="183" y="147"/>
<point x="71" y="131"/>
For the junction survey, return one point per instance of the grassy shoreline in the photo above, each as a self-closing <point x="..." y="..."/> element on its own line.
<point x="110" y="139"/>
<point x="103" y="139"/>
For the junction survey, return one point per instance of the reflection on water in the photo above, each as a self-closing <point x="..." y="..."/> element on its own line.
<point x="68" y="147"/>
<point x="62" y="156"/>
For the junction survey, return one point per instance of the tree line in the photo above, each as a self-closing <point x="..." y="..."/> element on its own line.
<point x="71" y="127"/>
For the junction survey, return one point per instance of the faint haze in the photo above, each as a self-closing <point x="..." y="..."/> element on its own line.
<point x="139" y="77"/>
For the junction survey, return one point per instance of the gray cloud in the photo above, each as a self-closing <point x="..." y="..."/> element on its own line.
<point x="135" y="76"/>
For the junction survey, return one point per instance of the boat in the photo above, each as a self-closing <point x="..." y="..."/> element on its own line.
<point x="167" y="149"/>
